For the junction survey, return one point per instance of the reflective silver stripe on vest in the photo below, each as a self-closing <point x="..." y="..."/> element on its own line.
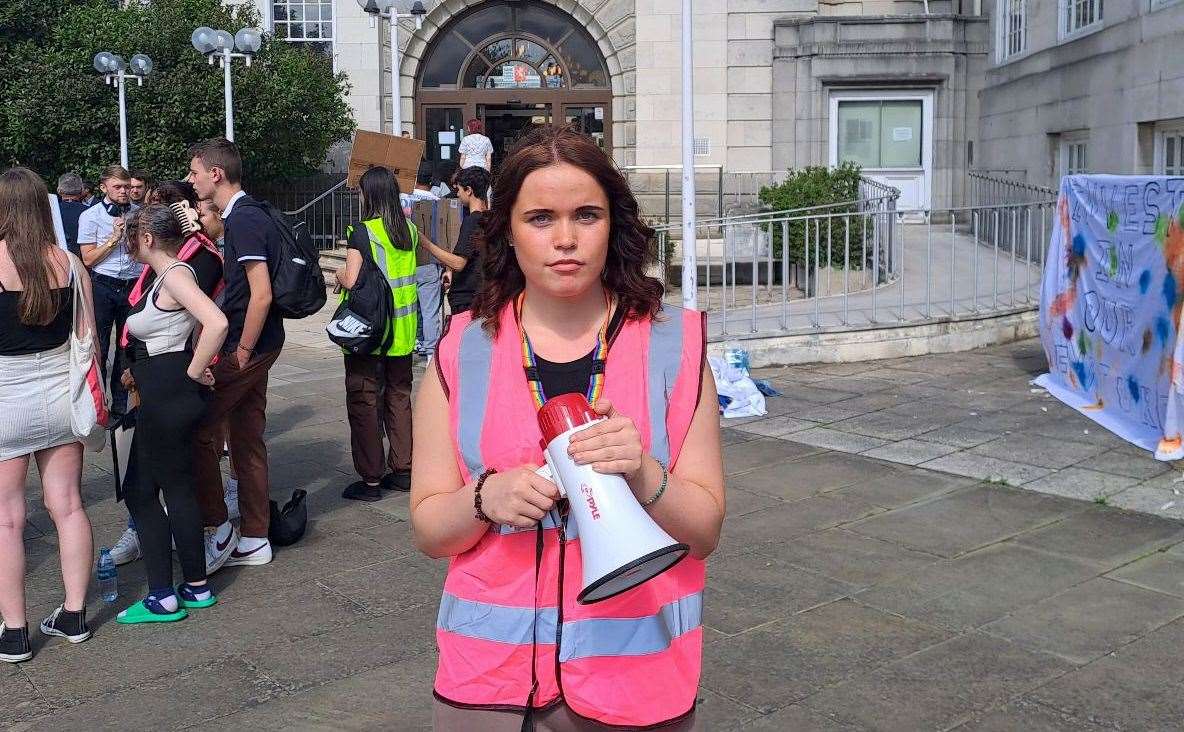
<point x="381" y="262"/>
<point x="631" y="636"/>
<point x="581" y="638"/>
<point x="474" y="365"/>
<point x="404" y="311"/>
<point x="495" y="622"/>
<point x="665" y="358"/>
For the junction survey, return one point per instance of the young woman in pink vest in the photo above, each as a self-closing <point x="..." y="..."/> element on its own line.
<point x="565" y="306"/>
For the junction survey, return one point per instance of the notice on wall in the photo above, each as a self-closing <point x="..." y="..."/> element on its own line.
<point x="445" y="152"/>
<point x="1110" y="307"/>
<point x="902" y="134"/>
<point x="447" y="137"/>
<point x="598" y="113"/>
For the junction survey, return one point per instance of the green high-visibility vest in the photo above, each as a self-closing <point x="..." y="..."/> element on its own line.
<point x="398" y="266"/>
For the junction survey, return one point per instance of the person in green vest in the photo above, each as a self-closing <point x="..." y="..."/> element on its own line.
<point x="378" y="385"/>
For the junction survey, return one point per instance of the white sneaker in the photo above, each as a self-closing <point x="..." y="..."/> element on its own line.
<point x="243" y="557"/>
<point x="232" y="499"/>
<point x="127" y="549"/>
<point x="220" y="543"/>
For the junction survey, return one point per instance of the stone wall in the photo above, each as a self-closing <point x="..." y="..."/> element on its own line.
<point x="814" y="57"/>
<point x="1115" y="84"/>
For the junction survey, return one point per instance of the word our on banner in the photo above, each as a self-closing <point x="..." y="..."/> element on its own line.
<point x="1110" y="306"/>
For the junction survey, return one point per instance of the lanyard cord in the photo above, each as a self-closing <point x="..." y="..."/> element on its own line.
<point x="531" y="366"/>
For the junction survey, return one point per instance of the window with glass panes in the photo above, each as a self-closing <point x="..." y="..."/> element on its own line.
<point x="1080" y="14"/>
<point x="1171" y="152"/>
<point x="880" y="133"/>
<point x="309" y="22"/>
<point x="1013" y="27"/>
<point x="1076" y="160"/>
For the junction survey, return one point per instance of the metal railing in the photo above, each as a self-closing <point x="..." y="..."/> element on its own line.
<point x="328" y="215"/>
<point x="820" y="271"/>
<point x="995" y="187"/>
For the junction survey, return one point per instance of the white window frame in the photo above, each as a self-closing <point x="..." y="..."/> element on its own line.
<point x="1074" y="144"/>
<point x="1065" y="13"/>
<point x="270" y="8"/>
<point x="925" y="96"/>
<point x="1005" y="32"/>
<point x="1162" y="133"/>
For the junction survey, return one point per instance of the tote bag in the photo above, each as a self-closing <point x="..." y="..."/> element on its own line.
<point x="88" y="399"/>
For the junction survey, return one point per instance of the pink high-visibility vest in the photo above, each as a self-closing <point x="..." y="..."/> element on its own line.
<point x="632" y="660"/>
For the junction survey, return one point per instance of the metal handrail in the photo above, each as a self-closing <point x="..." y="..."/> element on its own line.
<point x="326" y="194"/>
<point x="762" y="217"/>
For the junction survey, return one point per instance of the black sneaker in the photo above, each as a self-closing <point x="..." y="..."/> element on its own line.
<point x="14" y="644"/>
<point x="400" y="480"/>
<point x="359" y="491"/>
<point x="66" y="624"/>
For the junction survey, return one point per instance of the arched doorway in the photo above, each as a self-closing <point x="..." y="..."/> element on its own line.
<point x="513" y="64"/>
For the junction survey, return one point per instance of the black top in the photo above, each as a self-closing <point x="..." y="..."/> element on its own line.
<point x="18" y="339"/>
<point x="251" y="236"/>
<point x="466" y="281"/>
<point x="359" y="238"/>
<point x="70" y="211"/>
<point x="572" y="377"/>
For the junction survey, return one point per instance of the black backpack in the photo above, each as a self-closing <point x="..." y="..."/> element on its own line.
<point x="359" y="324"/>
<point x="297" y="282"/>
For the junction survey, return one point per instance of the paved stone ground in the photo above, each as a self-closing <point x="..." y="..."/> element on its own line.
<point x="850" y="592"/>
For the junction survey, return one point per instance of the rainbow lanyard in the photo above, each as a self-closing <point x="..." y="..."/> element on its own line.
<point x="530" y="363"/>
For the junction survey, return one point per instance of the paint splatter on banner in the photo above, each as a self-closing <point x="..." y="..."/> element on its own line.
<point x="1110" y="306"/>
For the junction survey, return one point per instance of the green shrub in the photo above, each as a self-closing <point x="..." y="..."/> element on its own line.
<point x="57" y="115"/>
<point x="811" y="186"/>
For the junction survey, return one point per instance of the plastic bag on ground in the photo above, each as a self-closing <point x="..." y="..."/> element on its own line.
<point x="733" y="383"/>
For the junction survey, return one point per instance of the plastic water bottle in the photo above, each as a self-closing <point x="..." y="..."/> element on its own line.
<point x="108" y="576"/>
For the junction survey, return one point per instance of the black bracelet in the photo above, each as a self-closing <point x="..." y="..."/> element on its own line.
<point x="478" y="513"/>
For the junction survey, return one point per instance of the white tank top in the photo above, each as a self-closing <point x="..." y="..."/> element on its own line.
<point x="162" y="331"/>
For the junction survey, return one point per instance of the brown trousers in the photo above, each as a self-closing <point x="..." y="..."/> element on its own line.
<point x="238" y="411"/>
<point x="366" y="378"/>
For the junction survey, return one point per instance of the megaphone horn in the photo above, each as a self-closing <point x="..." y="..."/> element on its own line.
<point x="620" y="545"/>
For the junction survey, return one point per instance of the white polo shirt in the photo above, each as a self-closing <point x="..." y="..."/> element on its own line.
<point x="94" y="227"/>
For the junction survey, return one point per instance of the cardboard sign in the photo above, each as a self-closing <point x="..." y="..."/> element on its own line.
<point x="401" y="155"/>
<point x="439" y="221"/>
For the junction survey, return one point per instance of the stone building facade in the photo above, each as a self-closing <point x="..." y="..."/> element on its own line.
<point x="917" y="92"/>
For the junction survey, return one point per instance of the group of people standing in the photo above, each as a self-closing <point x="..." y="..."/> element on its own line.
<point x="177" y="288"/>
<point x="549" y="296"/>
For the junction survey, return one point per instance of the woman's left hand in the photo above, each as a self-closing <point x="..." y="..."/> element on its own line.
<point x="612" y="445"/>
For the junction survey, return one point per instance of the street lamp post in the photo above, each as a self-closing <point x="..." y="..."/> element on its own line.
<point x="220" y="45"/>
<point x="690" y="273"/>
<point x="386" y="9"/>
<point x="116" y="72"/>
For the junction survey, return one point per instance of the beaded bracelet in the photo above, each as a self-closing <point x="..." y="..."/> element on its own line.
<point x="661" y="487"/>
<point x="478" y="513"/>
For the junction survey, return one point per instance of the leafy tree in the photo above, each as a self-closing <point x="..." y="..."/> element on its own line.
<point x="56" y="114"/>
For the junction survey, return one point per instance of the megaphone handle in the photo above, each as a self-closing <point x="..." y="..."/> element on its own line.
<point x="549" y="472"/>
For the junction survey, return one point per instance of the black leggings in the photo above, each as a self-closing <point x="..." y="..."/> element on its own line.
<point x="171" y="406"/>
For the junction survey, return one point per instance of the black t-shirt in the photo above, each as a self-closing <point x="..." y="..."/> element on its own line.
<point x="70" y="211"/>
<point x="18" y="339"/>
<point x="466" y="281"/>
<point x="251" y="236"/>
<point x="572" y="377"/>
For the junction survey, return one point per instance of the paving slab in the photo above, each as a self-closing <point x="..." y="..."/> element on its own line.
<point x="752" y="589"/>
<point x="944" y="685"/>
<point x="987" y="468"/>
<point x="1036" y="449"/>
<point x="1089" y="620"/>
<point x="1138" y="464"/>
<point x="910" y="452"/>
<point x="1081" y="483"/>
<point x="758" y="453"/>
<point x="1106" y="536"/>
<point x="777" y="426"/>
<point x="789" y="520"/>
<point x="965" y="593"/>
<point x="891" y="489"/>
<point x="965" y="520"/>
<point x="778" y="664"/>
<point x="812" y="474"/>
<point x="799" y="718"/>
<point x="1162" y="572"/>
<point x="855" y="560"/>
<point x="1027" y="715"/>
<point x="832" y="439"/>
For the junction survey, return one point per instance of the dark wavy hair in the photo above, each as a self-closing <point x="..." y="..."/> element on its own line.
<point x="630" y="242"/>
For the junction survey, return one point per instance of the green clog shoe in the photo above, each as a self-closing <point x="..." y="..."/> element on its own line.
<point x="195" y="604"/>
<point x="139" y="613"/>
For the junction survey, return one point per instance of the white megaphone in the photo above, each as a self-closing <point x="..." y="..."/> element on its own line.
<point x="620" y="545"/>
